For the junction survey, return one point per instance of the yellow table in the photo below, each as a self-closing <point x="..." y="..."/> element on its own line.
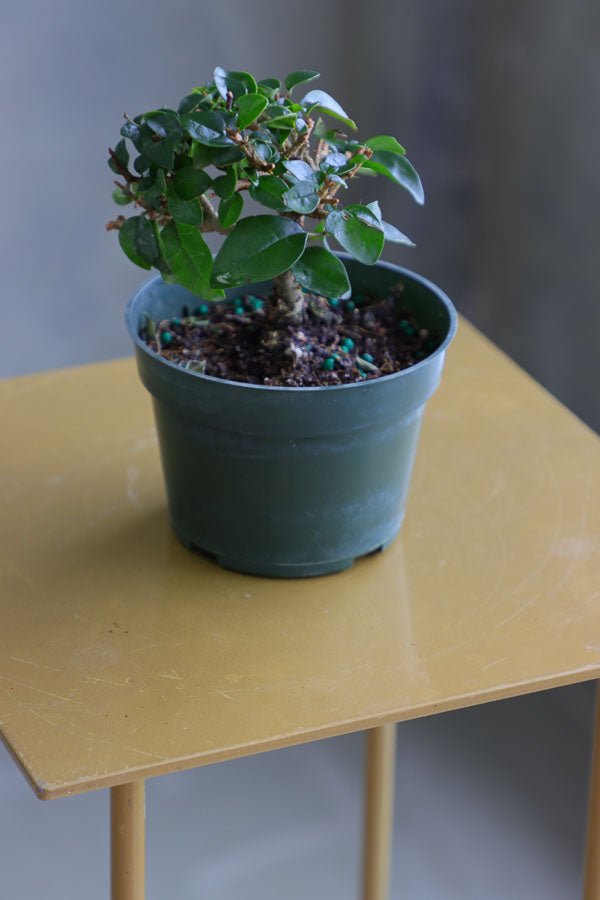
<point x="124" y="656"/>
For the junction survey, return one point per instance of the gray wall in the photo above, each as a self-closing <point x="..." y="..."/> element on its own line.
<point x="496" y="103"/>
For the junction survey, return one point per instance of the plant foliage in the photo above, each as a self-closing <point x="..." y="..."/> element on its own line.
<point x="186" y="172"/>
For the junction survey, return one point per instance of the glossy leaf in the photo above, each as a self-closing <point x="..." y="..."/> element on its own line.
<point x="258" y="248"/>
<point x="230" y="210"/>
<point x="299" y="169"/>
<point x="395" y="236"/>
<point x="190" y="102"/>
<point x="390" y="232"/>
<point x="270" y="84"/>
<point x="138" y="241"/>
<point x="237" y="82"/>
<point x="163" y="122"/>
<point x="122" y="153"/>
<point x="269" y="191"/>
<point x="302" y="197"/>
<point x="325" y="103"/>
<point x="120" y="198"/>
<point x="191" y="182"/>
<point x="224" y="185"/>
<point x="399" y="169"/>
<point x="207" y="127"/>
<point x="161" y="152"/>
<point x="300" y="77"/>
<point x="384" y="142"/>
<point x="283" y="120"/>
<point x="250" y="107"/>
<point x="320" y="271"/>
<point x="222" y="157"/>
<point x="189" y="212"/>
<point x="152" y="186"/>
<point x="141" y="163"/>
<point x="364" y="242"/>
<point x="334" y="161"/>
<point x="189" y="259"/>
<point x="130" y="130"/>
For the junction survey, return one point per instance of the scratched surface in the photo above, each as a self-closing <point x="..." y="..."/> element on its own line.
<point x="123" y="656"/>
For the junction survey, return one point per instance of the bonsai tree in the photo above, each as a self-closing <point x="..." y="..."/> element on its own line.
<point x="236" y="137"/>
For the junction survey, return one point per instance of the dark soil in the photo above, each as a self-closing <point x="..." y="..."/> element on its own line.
<point x="338" y="341"/>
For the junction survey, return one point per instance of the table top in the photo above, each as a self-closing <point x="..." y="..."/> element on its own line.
<point x="123" y="655"/>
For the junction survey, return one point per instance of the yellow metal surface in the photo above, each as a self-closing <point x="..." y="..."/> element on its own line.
<point x="122" y="655"/>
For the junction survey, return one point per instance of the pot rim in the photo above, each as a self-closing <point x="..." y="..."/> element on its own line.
<point x="401" y="270"/>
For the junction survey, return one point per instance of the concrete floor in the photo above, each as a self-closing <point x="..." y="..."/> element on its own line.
<point x="490" y="805"/>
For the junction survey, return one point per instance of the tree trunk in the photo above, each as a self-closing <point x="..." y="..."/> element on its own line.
<point x="290" y="303"/>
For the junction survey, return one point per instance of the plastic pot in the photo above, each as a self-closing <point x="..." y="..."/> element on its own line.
<point x="290" y="481"/>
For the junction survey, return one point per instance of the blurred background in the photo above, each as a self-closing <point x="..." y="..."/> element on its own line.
<point x="497" y="105"/>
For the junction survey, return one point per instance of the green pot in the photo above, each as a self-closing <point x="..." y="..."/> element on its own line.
<point x="290" y="481"/>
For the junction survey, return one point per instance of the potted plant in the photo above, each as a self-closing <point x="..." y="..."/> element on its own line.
<point x="288" y="380"/>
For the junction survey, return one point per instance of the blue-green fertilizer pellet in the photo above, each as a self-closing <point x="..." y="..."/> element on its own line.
<point x="328" y="364"/>
<point x="347" y="343"/>
<point x="166" y="337"/>
<point x="176" y="322"/>
<point x="350" y="304"/>
<point x="367" y="357"/>
<point x="334" y="302"/>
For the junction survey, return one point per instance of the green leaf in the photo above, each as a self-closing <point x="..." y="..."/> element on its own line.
<point x="130" y="130"/>
<point x="269" y="191"/>
<point x="237" y="82"/>
<point x="384" y="142"/>
<point x="272" y="84"/>
<point x="121" y="198"/>
<point x="399" y="169"/>
<point x="320" y="271"/>
<point x="302" y="197"/>
<point x="285" y="120"/>
<point x="153" y="186"/>
<point x="299" y="169"/>
<point x="364" y="242"/>
<point x="230" y="210"/>
<point x="224" y="185"/>
<point x="258" y="248"/>
<point x="141" y="163"/>
<point x="189" y="212"/>
<point x="334" y="161"/>
<point x="225" y="156"/>
<point x="163" y="122"/>
<point x="138" y="241"/>
<point x="269" y="87"/>
<point x="189" y="259"/>
<point x="250" y="107"/>
<point x="161" y="152"/>
<point x="322" y="101"/>
<point x="370" y="214"/>
<point x="299" y="77"/>
<point x="122" y="154"/>
<point x="190" y="102"/>
<point x="190" y="182"/>
<point x="207" y="127"/>
<point x="390" y="232"/>
<point x="393" y="234"/>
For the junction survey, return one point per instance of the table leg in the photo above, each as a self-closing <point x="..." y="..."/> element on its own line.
<point x="379" y="811"/>
<point x="592" y="863"/>
<point x="127" y="840"/>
